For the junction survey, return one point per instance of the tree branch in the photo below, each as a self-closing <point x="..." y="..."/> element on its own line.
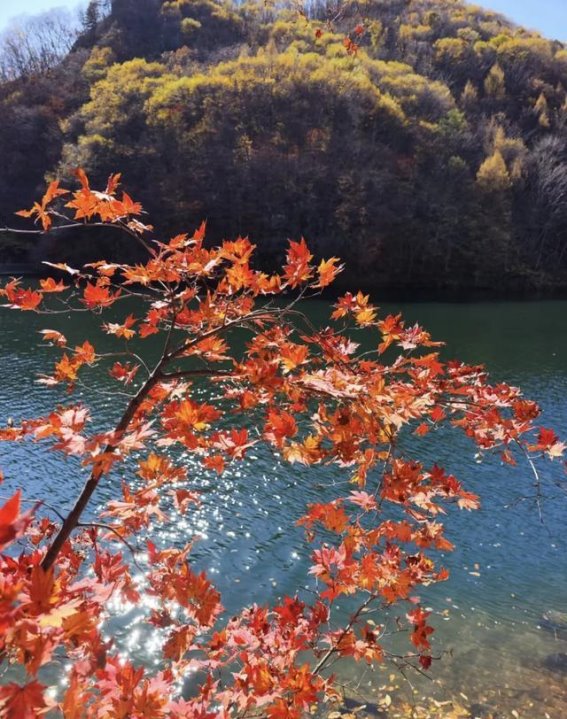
<point x="82" y="226"/>
<point x="73" y="518"/>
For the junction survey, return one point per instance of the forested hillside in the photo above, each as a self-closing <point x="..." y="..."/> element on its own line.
<point x="423" y="141"/>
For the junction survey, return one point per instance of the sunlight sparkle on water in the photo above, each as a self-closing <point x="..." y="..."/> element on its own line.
<point x="498" y="650"/>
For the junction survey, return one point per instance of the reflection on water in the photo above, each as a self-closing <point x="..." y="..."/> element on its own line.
<point x="507" y="568"/>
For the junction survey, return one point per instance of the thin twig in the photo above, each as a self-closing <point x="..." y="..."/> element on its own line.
<point x="39" y="503"/>
<point x="537" y="483"/>
<point x="180" y="374"/>
<point x="82" y="226"/>
<point x="328" y="654"/>
<point x="110" y="528"/>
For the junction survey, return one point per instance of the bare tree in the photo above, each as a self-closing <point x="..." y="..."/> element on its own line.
<point x="547" y="185"/>
<point x="35" y="44"/>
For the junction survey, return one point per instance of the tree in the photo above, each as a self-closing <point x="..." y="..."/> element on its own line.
<point x="35" y="45"/>
<point x="494" y="181"/>
<point x="257" y="115"/>
<point x="310" y="396"/>
<point x="469" y="98"/>
<point x="546" y="213"/>
<point x="495" y="83"/>
<point x="91" y="17"/>
<point x="493" y="175"/>
<point x="541" y="109"/>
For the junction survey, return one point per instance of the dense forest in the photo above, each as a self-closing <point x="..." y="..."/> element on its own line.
<point x="422" y="141"/>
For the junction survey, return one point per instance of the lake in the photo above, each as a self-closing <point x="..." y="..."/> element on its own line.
<point x="507" y="568"/>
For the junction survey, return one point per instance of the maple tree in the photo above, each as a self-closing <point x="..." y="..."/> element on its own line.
<point x="311" y="395"/>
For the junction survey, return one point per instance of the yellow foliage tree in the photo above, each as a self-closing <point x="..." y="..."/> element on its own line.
<point x="493" y="174"/>
<point x="495" y="82"/>
<point x="541" y="109"/>
<point x="469" y="96"/>
<point x="98" y="64"/>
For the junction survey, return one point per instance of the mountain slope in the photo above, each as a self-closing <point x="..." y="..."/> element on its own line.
<point x="424" y="141"/>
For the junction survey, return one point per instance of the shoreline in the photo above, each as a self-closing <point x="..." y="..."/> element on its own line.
<point x="379" y="294"/>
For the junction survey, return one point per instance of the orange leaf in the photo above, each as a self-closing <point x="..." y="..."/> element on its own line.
<point x="74" y="703"/>
<point x="199" y="234"/>
<point x="112" y="184"/>
<point x="22" y="702"/>
<point x="123" y="372"/>
<point x="179" y="642"/>
<point x="183" y="498"/>
<point x="298" y="270"/>
<point x="122" y="330"/>
<point x="328" y="270"/>
<point x="98" y="296"/>
<point x="128" y="206"/>
<point x="23" y="299"/>
<point x="85" y="353"/>
<point x="280" y="425"/>
<point x="293" y="355"/>
<point x="52" y="192"/>
<point x="215" y="462"/>
<point x="12" y="523"/>
<point x="49" y="285"/>
<point x="82" y="177"/>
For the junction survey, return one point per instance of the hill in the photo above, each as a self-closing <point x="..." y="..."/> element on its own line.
<point x="423" y="141"/>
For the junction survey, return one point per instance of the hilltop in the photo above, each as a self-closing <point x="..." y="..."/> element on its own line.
<point x="423" y="141"/>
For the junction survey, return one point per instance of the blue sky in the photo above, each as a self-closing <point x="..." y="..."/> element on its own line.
<point x="12" y="8"/>
<point x="547" y="16"/>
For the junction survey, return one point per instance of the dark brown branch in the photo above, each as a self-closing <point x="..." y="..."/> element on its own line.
<point x="333" y="650"/>
<point x="74" y="516"/>
<point x="81" y="226"/>
<point x="238" y="322"/>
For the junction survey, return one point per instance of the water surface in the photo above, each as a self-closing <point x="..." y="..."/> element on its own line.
<point x="507" y="569"/>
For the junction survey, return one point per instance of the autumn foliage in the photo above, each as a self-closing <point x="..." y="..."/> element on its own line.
<point x="306" y="392"/>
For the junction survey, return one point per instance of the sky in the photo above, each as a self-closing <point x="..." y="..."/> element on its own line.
<point x="13" y="8"/>
<point x="547" y="16"/>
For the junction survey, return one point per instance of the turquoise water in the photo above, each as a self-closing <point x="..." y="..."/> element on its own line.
<point x="507" y="569"/>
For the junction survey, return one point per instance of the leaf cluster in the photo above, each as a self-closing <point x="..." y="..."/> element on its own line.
<point x="309" y="395"/>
